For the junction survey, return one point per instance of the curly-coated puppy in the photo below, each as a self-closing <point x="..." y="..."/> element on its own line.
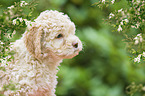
<point x="47" y="41"/>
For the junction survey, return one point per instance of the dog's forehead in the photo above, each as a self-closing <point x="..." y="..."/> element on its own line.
<point x="54" y="21"/>
<point x="52" y="16"/>
<point x="61" y="27"/>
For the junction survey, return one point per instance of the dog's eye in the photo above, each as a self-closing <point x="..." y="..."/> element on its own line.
<point x="59" y="36"/>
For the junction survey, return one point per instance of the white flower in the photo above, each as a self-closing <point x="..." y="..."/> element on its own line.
<point x="139" y="34"/>
<point x="121" y="22"/>
<point x="23" y="3"/>
<point x="14" y="21"/>
<point x="137" y="59"/>
<point x="123" y="13"/>
<point x="136" y="42"/>
<point x="133" y="26"/>
<point x="21" y="20"/>
<point x="136" y="27"/>
<point x="1" y="42"/>
<point x="112" y="1"/>
<point x="111" y="15"/>
<point x="120" y="10"/>
<point x="126" y="21"/>
<point x="103" y="1"/>
<point x="138" y="24"/>
<point x="143" y="54"/>
<point x="11" y="7"/>
<point x="138" y="39"/>
<point x="119" y="28"/>
<point x="11" y="11"/>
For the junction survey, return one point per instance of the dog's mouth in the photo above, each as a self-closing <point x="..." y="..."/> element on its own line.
<point x="71" y="54"/>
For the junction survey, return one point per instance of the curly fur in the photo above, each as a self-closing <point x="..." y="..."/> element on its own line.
<point x="38" y="55"/>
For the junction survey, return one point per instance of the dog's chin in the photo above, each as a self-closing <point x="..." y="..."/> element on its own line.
<point x="69" y="56"/>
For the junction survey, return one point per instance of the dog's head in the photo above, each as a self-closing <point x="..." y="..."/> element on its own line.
<point x="52" y="34"/>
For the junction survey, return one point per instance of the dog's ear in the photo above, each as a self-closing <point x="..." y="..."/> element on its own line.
<point x="32" y="40"/>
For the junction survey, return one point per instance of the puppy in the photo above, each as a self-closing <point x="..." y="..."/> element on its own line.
<point x="46" y="42"/>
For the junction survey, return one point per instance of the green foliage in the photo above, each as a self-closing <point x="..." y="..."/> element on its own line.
<point x="133" y="88"/>
<point x="8" y="27"/>
<point x="12" y="20"/>
<point x="129" y="22"/>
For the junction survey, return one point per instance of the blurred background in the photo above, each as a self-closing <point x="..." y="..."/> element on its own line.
<point x="102" y="68"/>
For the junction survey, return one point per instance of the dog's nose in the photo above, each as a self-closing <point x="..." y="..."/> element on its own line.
<point x="75" y="44"/>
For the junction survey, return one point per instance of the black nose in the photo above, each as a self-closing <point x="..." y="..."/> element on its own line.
<point x="75" y="45"/>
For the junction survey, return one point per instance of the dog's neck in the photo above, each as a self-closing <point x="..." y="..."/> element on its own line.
<point x="47" y="69"/>
<point x="52" y="63"/>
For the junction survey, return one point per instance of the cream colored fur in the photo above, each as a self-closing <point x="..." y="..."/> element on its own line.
<point x="47" y="41"/>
